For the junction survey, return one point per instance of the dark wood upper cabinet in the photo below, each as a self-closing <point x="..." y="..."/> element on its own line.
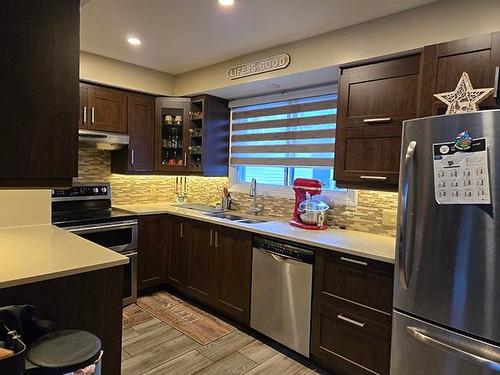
<point x="105" y="108"/>
<point x="373" y="102"/>
<point x="153" y="243"/>
<point x="351" y="313"/>
<point x="39" y="76"/>
<point x="84" y="119"/>
<point x="209" y="136"/>
<point x="198" y="143"/>
<point x="138" y="157"/>
<point x="171" y="134"/>
<point x="443" y="64"/>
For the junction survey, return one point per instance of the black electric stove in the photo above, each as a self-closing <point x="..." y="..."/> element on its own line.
<point x="85" y="210"/>
<point x="85" y="204"/>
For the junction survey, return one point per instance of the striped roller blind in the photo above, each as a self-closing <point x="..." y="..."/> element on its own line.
<point x="297" y="132"/>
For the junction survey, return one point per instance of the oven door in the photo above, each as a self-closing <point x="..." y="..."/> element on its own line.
<point x="118" y="236"/>
<point x="122" y="238"/>
<point x="130" y="278"/>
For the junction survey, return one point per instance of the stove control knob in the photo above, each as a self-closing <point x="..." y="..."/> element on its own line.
<point x="95" y="190"/>
<point x="104" y="189"/>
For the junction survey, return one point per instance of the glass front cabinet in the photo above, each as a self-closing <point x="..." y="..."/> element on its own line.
<point x="172" y="134"/>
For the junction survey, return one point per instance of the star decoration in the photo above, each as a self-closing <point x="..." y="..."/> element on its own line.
<point x="465" y="98"/>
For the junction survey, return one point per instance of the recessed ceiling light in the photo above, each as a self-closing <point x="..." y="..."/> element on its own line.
<point x="226" y="3"/>
<point x="134" y="41"/>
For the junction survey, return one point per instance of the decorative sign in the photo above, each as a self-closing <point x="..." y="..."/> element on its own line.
<point x="465" y="98"/>
<point x="259" y="66"/>
<point x="461" y="174"/>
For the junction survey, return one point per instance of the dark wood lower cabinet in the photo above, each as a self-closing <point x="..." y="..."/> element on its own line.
<point x="90" y="301"/>
<point x="351" y="315"/>
<point x="211" y="264"/>
<point x="200" y="261"/>
<point x="233" y="267"/>
<point x="176" y="260"/>
<point x="154" y="233"/>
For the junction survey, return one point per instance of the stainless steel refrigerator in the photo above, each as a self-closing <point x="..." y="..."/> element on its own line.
<point x="446" y="317"/>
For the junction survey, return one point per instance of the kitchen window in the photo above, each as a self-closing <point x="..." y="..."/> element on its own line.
<point x="276" y="142"/>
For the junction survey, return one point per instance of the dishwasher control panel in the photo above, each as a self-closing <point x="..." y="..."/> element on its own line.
<point x="284" y="249"/>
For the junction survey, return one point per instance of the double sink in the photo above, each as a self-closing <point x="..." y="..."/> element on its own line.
<point x="209" y="211"/>
<point x="231" y="217"/>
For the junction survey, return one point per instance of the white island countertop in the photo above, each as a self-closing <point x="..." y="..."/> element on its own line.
<point x="41" y="252"/>
<point x="362" y="244"/>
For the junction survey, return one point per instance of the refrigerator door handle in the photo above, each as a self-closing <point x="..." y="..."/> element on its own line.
<point x="407" y="214"/>
<point x="462" y="352"/>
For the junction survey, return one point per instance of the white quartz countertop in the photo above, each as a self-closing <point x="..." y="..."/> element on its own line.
<point x="362" y="244"/>
<point x="41" y="252"/>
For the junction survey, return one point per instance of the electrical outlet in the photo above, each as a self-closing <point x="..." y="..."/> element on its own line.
<point x="389" y="217"/>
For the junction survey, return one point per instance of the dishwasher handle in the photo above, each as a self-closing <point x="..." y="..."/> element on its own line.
<point x="305" y="256"/>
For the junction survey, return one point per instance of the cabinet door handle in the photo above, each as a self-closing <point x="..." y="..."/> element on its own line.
<point x="496" y="93"/>
<point x="381" y="178"/>
<point x="185" y="159"/>
<point x="132" y="157"/>
<point x="182" y="230"/>
<point x="92" y="115"/>
<point x="84" y="114"/>
<point x="216" y="239"/>
<point x="211" y="235"/>
<point x="352" y="321"/>
<point x="360" y="262"/>
<point x="376" y="120"/>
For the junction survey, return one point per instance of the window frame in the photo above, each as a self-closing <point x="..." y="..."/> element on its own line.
<point x="337" y="197"/>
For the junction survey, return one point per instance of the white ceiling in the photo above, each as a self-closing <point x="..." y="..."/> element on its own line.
<point x="182" y="35"/>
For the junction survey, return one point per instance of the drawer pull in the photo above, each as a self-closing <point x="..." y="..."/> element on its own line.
<point x="382" y="178"/>
<point x="376" y="120"/>
<point x="84" y="114"/>
<point x="360" y="262"/>
<point x="496" y="93"/>
<point x="352" y="321"/>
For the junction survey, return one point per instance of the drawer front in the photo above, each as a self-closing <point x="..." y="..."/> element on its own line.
<point x="348" y="340"/>
<point x="360" y="280"/>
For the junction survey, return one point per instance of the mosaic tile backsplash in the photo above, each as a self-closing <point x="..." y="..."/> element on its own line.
<point x="367" y="216"/>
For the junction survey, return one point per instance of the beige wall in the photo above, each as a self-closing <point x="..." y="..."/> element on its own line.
<point x="24" y="207"/>
<point x="441" y="21"/>
<point x="100" y="69"/>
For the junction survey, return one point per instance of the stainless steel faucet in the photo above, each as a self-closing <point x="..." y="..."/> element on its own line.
<point x="253" y="193"/>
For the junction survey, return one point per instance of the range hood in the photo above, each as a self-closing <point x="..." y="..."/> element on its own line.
<point x="103" y="140"/>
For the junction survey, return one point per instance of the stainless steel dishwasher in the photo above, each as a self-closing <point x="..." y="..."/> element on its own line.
<point x="281" y="293"/>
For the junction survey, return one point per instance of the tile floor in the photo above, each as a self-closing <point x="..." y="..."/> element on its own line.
<point x="151" y="346"/>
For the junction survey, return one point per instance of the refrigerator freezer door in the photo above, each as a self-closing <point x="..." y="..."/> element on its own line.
<point x="448" y="256"/>
<point x="419" y="348"/>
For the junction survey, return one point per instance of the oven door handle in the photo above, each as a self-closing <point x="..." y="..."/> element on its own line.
<point x="100" y="228"/>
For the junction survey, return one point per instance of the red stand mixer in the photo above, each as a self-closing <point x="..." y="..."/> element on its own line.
<point x="308" y="214"/>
